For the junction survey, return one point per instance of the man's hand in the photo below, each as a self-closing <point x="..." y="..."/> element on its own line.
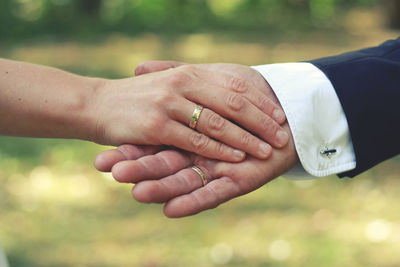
<point x="166" y="176"/>
<point x="241" y="72"/>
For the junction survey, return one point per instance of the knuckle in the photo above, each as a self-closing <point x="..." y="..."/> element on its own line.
<point x="263" y="102"/>
<point x="235" y="102"/>
<point x="178" y="78"/>
<point x="199" y="141"/>
<point x="163" y="97"/>
<point x="245" y="139"/>
<point x="268" y="125"/>
<point x="219" y="150"/>
<point x="216" y="122"/>
<point x="237" y="85"/>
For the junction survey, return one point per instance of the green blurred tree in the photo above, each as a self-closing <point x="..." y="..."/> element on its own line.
<point x="90" y="7"/>
<point x="21" y="19"/>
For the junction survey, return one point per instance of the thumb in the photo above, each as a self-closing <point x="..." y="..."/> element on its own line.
<point x="107" y="159"/>
<point x="154" y="66"/>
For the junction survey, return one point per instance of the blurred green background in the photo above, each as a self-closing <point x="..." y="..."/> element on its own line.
<point x="56" y="210"/>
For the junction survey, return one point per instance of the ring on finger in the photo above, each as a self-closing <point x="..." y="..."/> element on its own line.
<point x="201" y="173"/>
<point x="195" y="116"/>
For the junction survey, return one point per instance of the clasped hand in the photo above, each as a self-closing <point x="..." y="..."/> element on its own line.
<point x="164" y="100"/>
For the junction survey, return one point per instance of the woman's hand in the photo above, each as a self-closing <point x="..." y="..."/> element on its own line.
<point x="38" y="101"/>
<point x="156" y="108"/>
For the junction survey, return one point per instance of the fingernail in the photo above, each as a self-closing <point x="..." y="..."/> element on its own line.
<point x="282" y="138"/>
<point x="238" y="154"/>
<point x="265" y="150"/>
<point x="278" y="115"/>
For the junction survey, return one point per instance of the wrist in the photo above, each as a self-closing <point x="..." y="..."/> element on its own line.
<point x="87" y="111"/>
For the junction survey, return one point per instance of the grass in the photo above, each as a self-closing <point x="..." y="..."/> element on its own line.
<point x="56" y="210"/>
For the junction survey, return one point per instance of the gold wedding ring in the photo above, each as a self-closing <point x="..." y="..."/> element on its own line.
<point x="201" y="173"/>
<point x="195" y="117"/>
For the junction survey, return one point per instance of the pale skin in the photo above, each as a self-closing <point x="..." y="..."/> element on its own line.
<point x="165" y="176"/>
<point x="151" y="109"/>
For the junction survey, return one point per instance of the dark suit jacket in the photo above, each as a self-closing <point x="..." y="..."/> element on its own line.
<point x="367" y="83"/>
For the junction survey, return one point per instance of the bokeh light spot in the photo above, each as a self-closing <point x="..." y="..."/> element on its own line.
<point x="221" y="253"/>
<point x="41" y="179"/>
<point x="377" y="231"/>
<point x="280" y="250"/>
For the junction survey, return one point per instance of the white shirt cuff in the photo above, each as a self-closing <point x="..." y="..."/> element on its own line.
<point x="315" y="116"/>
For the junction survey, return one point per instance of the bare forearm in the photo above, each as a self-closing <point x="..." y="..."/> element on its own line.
<point x="151" y="109"/>
<point x="38" y="101"/>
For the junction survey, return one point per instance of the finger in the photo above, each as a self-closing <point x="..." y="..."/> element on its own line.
<point x="234" y="106"/>
<point x="236" y="180"/>
<point x="246" y="89"/>
<point x="154" y="66"/>
<point x="151" y="167"/>
<point x="187" y="180"/>
<point x="253" y="77"/>
<point x="213" y="125"/>
<point x="107" y="159"/>
<point x="188" y="139"/>
<point x="160" y="191"/>
<point x="210" y="196"/>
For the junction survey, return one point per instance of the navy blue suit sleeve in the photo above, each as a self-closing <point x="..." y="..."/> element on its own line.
<point x="367" y="83"/>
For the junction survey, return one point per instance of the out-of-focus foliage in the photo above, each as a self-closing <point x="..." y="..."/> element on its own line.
<point x="24" y="18"/>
